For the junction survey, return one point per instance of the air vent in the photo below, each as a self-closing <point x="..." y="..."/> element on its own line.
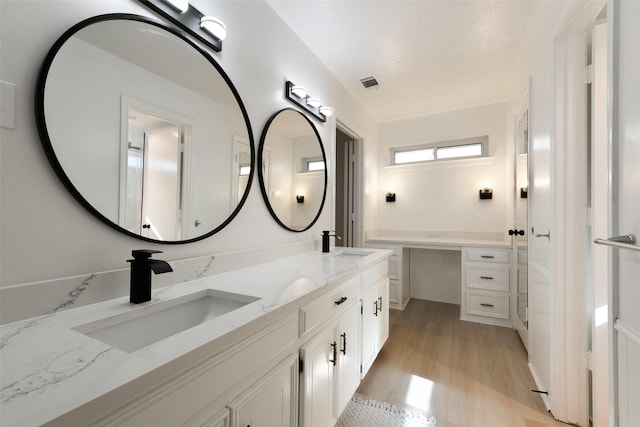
<point x="370" y="82"/>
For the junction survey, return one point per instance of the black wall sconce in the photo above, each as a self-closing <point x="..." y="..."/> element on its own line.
<point x="524" y="192"/>
<point x="299" y="198"/>
<point x="298" y="95"/>
<point x="486" y="193"/>
<point x="390" y="197"/>
<point x="206" y="29"/>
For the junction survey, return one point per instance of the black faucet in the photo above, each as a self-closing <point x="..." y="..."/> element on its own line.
<point x="325" y="240"/>
<point x="141" y="267"/>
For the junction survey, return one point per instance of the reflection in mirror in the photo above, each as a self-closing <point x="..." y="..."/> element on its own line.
<point x="151" y="149"/>
<point x="292" y="171"/>
<point x="521" y="212"/>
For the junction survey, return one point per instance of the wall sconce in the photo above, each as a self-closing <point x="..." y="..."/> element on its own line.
<point x="299" y="198"/>
<point x="206" y="29"/>
<point x="390" y="197"/>
<point x="524" y="192"/>
<point x="486" y="193"/>
<point x="298" y="95"/>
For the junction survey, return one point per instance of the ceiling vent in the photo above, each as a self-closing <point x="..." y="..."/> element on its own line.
<point x="370" y="83"/>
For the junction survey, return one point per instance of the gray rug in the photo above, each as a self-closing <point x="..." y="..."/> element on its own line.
<point x="362" y="412"/>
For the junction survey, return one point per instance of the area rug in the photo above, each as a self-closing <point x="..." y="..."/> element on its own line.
<point x="362" y="412"/>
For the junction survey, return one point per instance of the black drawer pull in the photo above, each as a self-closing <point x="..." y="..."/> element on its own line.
<point x="484" y="304"/>
<point x="487" y="256"/>
<point x="341" y="300"/>
<point x="486" y="277"/>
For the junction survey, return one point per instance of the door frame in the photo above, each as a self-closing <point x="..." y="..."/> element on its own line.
<point x="570" y="362"/>
<point x="357" y="187"/>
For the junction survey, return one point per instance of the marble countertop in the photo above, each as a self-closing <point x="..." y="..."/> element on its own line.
<point x="47" y="368"/>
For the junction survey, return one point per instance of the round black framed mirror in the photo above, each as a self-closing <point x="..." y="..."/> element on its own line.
<point x="145" y="129"/>
<point x="292" y="170"/>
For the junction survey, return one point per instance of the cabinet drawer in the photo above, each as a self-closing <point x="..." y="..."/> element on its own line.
<point x="488" y="255"/>
<point x="487" y="304"/>
<point x="323" y="309"/>
<point x="491" y="277"/>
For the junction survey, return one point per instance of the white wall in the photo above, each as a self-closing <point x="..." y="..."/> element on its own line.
<point x="46" y="234"/>
<point x="443" y="196"/>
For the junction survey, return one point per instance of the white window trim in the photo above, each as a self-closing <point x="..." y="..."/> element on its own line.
<point x="483" y="140"/>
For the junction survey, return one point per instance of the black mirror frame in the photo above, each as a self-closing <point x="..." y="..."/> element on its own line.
<point x="265" y="195"/>
<point x="48" y="146"/>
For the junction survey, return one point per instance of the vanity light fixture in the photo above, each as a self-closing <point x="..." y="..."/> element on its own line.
<point x="486" y="193"/>
<point x="524" y="192"/>
<point x="298" y="95"/>
<point x="299" y="198"/>
<point x="390" y="197"/>
<point x="326" y="111"/>
<point x="205" y="29"/>
<point x="299" y="91"/>
<point x="313" y="102"/>
<point x="180" y="5"/>
<point x="214" y="26"/>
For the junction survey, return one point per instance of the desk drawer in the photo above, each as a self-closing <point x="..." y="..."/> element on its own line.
<point x="488" y="304"/>
<point x="487" y="276"/>
<point x="488" y="255"/>
<point x="324" y="308"/>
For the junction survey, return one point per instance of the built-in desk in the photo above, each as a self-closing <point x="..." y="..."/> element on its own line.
<point x="484" y="268"/>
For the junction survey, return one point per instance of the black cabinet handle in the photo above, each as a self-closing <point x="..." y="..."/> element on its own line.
<point x="334" y="345"/>
<point x="486" y="277"/>
<point x="344" y="343"/>
<point x="486" y="305"/>
<point x="341" y="300"/>
<point x="375" y="308"/>
<point x="380" y="303"/>
<point x="487" y="256"/>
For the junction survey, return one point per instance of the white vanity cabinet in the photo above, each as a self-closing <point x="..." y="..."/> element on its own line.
<point x="330" y="361"/>
<point x="271" y="402"/>
<point x="375" y="313"/>
<point x="486" y="285"/>
<point x="398" y="275"/>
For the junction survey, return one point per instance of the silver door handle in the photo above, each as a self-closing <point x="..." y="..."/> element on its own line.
<point x="627" y="241"/>
<point x="547" y="235"/>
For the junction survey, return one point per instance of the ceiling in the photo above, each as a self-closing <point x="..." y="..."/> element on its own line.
<point x="428" y="55"/>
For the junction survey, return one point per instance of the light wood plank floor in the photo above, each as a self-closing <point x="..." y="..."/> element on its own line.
<point x="465" y="374"/>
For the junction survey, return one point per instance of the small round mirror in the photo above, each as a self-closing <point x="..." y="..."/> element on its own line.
<point x="292" y="170"/>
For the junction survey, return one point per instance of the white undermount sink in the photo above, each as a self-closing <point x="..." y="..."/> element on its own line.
<point x="352" y="252"/>
<point x="136" y="329"/>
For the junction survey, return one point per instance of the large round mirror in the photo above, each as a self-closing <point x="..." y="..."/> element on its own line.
<point x="292" y="170"/>
<point x="145" y="129"/>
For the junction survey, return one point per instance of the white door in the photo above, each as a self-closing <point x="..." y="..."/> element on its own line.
<point x="625" y="210"/>
<point x="161" y="184"/>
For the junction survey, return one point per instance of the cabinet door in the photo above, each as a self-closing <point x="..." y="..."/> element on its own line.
<point x="221" y="419"/>
<point x="348" y="368"/>
<point x="319" y="359"/>
<point x="271" y="402"/>
<point x="370" y="314"/>
<point x="382" y="328"/>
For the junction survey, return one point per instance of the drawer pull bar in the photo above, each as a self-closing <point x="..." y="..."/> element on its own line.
<point x="341" y="300"/>
<point x="484" y="304"/>
<point x="486" y="277"/>
<point x="334" y="347"/>
<point x="344" y="343"/>
<point x="487" y="256"/>
<point x="375" y="308"/>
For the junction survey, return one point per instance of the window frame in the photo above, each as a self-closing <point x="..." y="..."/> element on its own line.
<point x="435" y="146"/>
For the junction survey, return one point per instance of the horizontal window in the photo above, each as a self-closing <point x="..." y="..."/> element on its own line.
<point x="457" y="149"/>
<point x="314" y="165"/>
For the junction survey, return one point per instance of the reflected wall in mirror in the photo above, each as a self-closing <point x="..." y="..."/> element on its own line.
<point x="292" y="163"/>
<point x="145" y="129"/>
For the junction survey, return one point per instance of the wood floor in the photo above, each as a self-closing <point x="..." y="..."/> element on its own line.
<point x="465" y="374"/>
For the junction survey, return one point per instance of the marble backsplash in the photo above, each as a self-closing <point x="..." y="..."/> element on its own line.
<point x="29" y="300"/>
